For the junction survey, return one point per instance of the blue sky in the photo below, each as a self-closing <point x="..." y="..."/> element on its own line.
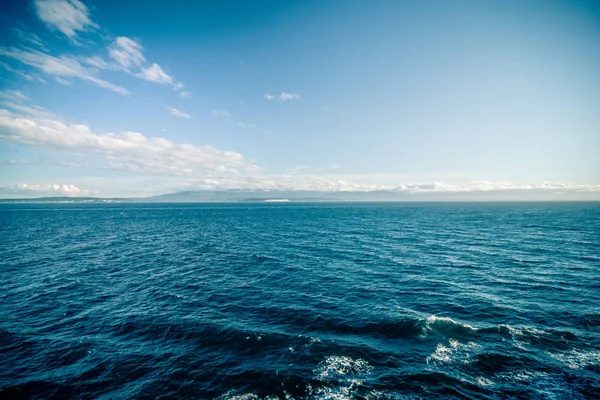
<point x="121" y="98"/>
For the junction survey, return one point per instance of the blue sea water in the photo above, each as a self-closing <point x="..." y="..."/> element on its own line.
<point x="300" y="301"/>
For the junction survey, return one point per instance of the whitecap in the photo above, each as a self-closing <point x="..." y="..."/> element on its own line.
<point x="446" y="326"/>
<point x="343" y="374"/>
<point x="454" y="352"/>
<point x="339" y="367"/>
<point x="483" y="381"/>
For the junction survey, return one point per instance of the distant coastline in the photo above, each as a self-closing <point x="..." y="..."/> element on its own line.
<point x="287" y="196"/>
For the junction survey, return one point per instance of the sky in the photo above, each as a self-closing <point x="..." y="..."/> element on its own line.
<point x="114" y="98"/>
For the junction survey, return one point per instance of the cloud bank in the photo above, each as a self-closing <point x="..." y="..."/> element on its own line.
<point x="127" y="151"/>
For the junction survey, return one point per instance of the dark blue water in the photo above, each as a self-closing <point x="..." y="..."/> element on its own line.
<point x="302" y="301"/>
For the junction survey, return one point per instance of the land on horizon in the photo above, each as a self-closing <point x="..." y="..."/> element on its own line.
<point x="314" y="196"/>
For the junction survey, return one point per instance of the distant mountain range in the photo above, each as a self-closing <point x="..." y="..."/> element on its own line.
<point x="234" y="195"/>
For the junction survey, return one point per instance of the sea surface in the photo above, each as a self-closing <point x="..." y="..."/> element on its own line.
<point x="300" y="301"/>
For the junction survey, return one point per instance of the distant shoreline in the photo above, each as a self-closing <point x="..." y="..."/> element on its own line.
<point x="279" y="201"/>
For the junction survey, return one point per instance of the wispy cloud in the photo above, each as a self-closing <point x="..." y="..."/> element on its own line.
<point x="178" y="113"/>
<point x="283" y="96"/>
<point x="185" y="94"/>
<point x="14" y="95"/>
<point x="32" y="110"/>
<point x="128" y="56"/>
<point x="63" y="81"/>
<point x="23" y="74"/>
<point x="246" y="125"/>
<point x="66" y="16"/>
<point x="63" y="66"/>
<point x="96" y="62"/>
<point x="30" y="38"/>
<point x="221" y="113"/>
<point x="70" y="17"/>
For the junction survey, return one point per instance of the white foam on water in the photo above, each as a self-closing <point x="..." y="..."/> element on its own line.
<point x="453" y="352"/>
<point x="380" y="395"/>
<point x="515" y="334"/>
<point x="343" y="375"/>
<point x="335" y="393"/>
<point x="484" y="382"/>
<point x="339" y="367"/>
<point x="518" y="334"/>
<point x="521" y="375"/>
<point x="312" y="341"/>
<point x="577" y="359"/>
<point x="235" y="396"/>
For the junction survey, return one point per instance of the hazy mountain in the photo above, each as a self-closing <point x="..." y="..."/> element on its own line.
<point x="305" y="195"/>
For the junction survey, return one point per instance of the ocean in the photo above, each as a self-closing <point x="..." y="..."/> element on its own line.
<point x="300" y="301"/>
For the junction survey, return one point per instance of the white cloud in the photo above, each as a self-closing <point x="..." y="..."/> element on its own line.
<point x="178" y="113"/>
<point x="71" y="16"/>
<point x="63" y="66"/>
<point x="185" y="94"/>
<point x="221" y="113"/>
<point x="332" y="183"/>
<point x="128" y="55"/>
<point x="154" y="73"/>
<point x="126" y="52"/>
<point x="67" y="16"/>
<point x="64" y="189"/>
<point x="129" y="151"/>
<point x="473" y="187"/>
<point x="283" y="96"/>
<point x="288" y="96"/>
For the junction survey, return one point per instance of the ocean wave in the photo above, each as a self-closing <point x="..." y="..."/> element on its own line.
<point x="311" y="301"/>
<point x="445" y="326"/>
